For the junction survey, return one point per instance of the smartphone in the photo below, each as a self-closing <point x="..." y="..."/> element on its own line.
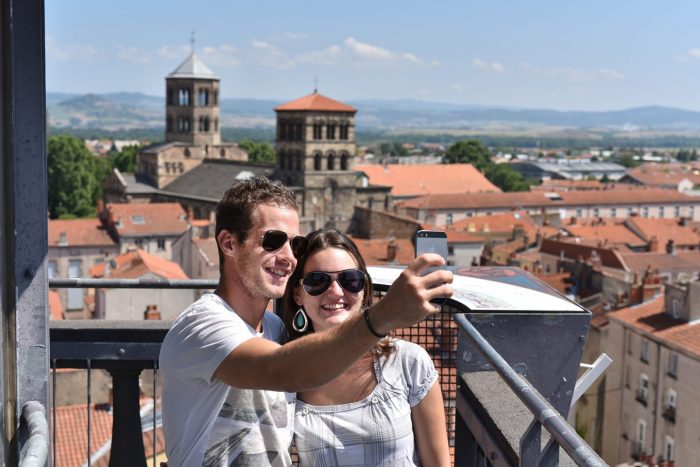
<point x="431" y="241"/>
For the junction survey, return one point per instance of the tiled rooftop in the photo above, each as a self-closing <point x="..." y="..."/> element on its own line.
<point x="375" y="251"/>
<point x="139" y="219"/>
<point x="501" y="223"/>
<point x="424" y="179"/>
<point x="78" y="232"/>
<point x="315" y="102"/>
<point x="538" y="198"/>
<point x="651" y="318"/>
<point x="664" y="230"/>
<point x="136" y="264"/>
<point x="611" y="234"/>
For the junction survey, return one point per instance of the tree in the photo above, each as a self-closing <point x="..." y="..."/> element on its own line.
<point x="258" y="152"/>
<point x="506" y="178"/>
<point x="125" y="160"/>
<point x="72" y="183"/>
<point x="469" y="152"/>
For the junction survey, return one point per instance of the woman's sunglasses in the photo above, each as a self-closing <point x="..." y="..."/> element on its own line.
<point x="317" y="282"/>
<point x="273" y="240"/>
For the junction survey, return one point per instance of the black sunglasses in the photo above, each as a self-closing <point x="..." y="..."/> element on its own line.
<point x="273" y="240"/>
<point x="317" y="282"/>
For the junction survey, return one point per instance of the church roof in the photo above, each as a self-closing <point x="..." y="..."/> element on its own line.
<point x="193" y="67"/>
<point x="315" y="101"/>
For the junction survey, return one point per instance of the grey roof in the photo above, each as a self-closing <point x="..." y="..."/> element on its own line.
<point x="575" y="166"/>
<point x="213" y="177"/>
<point x="136" y="184"/>
<point x="193" y="67"/>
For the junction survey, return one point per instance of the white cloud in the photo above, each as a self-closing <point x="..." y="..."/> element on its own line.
<point x="132" y="54"/>
<point x="354" y="52"/>
<point x="70" y="52"/>
<point x="490" y="67"/>
<point x="269" y="55"/>
<point x="174" y="51"/>
<point x="611" y="75"/>
<point x="574" y="74"/>
<point x="694" y="52"/>
<point x="221" y="55"/>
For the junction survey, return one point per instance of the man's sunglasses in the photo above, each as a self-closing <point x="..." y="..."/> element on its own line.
<point x="317" y="282"/>
<point x="273" y="240"/>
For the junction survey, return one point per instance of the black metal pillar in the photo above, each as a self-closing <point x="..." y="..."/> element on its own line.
<point x="127" y="436"/>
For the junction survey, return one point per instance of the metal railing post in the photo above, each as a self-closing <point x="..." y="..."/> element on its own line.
<point x="35" y="451"/>
<point x="127" y="436"/>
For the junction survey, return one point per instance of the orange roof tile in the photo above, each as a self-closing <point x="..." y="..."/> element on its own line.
<point x="664" y="230"/>
<point x="55" y="306"/>
<point x="654" y="174"/>
<point x="375" y="251"/>
<point x="651" y="318"/>
<point x="78" y="232"/>
<point x="315" y="102"/>
<point x="138" y="263"/>
<point x="612" y="234"/>
<point x="71" y="436"/>
<point x="501" y="223"/>
<point x="426" y="179"/>
<point x="458" y="236"/>
<point x="148" y="218"/>
<point x="681" y="261"/>
<point x="525" y="199"/>
<point x="557" y="280"/>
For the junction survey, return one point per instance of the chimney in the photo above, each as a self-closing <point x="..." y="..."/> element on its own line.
<point x="151" y="312"/>
<point x="683" y="222"/>
<point x="653" y="244"/>
<point x="391" y="249"/>
<point x="518" y="231"/>
<point x="62" y="239"/>
<point x="671" y="247"/>
<point x="572" y="221"/>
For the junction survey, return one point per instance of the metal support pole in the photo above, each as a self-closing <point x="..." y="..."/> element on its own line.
<point x="127" y="435"/>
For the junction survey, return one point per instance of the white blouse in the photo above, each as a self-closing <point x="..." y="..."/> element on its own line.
<point x="376" y="430"/>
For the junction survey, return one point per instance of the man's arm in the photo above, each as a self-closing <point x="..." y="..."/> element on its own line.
<point x="316" y="359"/>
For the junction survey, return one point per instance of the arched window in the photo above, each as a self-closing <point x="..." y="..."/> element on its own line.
<point x="317" y="161"/>
<point x="344" y="131"/>
<point x="330" y="131"/>
<point x="343" y="161"/>
<point x="203" y="97"/>
<point x="187" y="152"/>
<point x="201" y="124"/>
<point x="331" y="161"/>
<point x="222" y="153"/>
<point x="282" y="159"/>
<point x="184" y="97"/>
<point x="299" y="160"/>
<point x="318" y="131"/>
<point x="206" y="124"/>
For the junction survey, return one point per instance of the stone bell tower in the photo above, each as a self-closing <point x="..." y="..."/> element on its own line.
<point x="315" y="149"/>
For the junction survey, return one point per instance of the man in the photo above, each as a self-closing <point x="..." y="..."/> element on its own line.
<point x="228" y="386"/>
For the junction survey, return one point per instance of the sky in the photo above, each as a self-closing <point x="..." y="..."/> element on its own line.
<point x="558" y="54"/>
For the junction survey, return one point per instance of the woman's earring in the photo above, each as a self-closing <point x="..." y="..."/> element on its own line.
<point x="300" y="321"/>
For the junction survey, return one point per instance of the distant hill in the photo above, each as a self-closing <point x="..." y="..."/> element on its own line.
<point x="135" y="110"/>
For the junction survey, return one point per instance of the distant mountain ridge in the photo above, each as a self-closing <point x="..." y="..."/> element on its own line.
<point x="124" y="110"/>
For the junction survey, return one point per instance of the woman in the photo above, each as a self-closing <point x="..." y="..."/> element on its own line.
<point x="386" y="409"/>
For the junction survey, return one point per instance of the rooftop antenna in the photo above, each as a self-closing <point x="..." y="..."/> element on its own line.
<point x="315" y="84"/>
<point x="192" y="42"/>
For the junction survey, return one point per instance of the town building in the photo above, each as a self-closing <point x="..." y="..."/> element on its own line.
<point x="442" y="210"/>
<point x="672" y="176"/>
<point x="651" y="408"/>
<point x="76" y="245"/>
<point x="570" y="169"/>
<point x="152" y="227"/>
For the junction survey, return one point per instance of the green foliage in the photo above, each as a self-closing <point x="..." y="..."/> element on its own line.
<point x="628" y="161"/>
<point x="469" y="152"/>
<point x="124" y="161"/>
<point x="394" y="148"/>
<point x="73" y="186"/>
<point x="605" y="179"/>
<point x="506" y="178"/>
<point x="258" y="152"/>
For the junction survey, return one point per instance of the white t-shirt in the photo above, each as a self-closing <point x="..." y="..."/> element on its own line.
<point x="205" y="421"/>
<point x="376" y="430"/>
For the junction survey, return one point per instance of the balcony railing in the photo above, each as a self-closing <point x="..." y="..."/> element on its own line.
<point x="669" y="413"/>
<point x="126" y="348"/>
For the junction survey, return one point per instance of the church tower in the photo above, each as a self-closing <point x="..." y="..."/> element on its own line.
<point x="315" y="149"/>
<point x="192" y="104"/>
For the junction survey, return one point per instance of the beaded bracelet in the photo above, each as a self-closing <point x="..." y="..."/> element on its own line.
<point x="369" y="325"/>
